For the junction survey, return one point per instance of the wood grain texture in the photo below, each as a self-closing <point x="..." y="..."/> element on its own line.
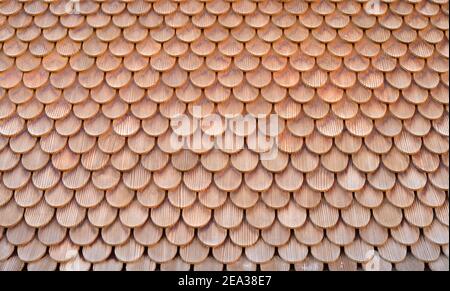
<point x="90" y="178"/>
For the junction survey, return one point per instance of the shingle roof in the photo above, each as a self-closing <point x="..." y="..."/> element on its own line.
<point x="91" y="93"/>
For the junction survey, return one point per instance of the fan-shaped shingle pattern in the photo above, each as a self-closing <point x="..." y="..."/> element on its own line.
<point x="89" y="180"/>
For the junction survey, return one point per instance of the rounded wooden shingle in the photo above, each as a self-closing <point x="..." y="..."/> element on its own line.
<point x="212" y="197"/>
<point x="196" y="215"/>
<point x="260" y="252"/>
<point x="11" y="214"/>
<point x="242" y="264"/>
<point x="197" y="179"/>
<point x="87" y="197"/>
<point x="32" y="251"/>
<point x="276" y="235"/>
<point x="228" y="180"/>
<point x="419" y="214"/>
<point x="260" y="216"/>
<point x="324" y="215"/>
<point x="244" y="235"/>
<point x="341" y="52"/>
<point x="275" y="197"/>
<point x="438" y="178"/>
<point x="382" y="179"/>
<point x="405" y="233"/>
<point x="20" y="234"/>
<point x="318" y="143"/>
<point x="84" y="234"/>
<point x="441" y="264"/>
<point x="413" y="179"/>
<point x="212" y="234"/>
<point x="228" y="215"/>
<point x="259" y="179"/>
<point x="180" y="234"/>
<point x="351" y="179"/>
<point x="165" y="215"/>
<point x="244" y="197"/>
<point x="143" y="264"/>
<point x="410" y="263"/>
<point x="227" y="252"/>
<point x="292" y="215"/>
<point x="44" y="264"/>
<point x="64" y="251"/>
<point x="7" y="249"/>
<point x="325" y="251"/>
<point x="436" y="233"/>
<point x="307" y="197"/>
<point x="52" y="233"/>
<point x="431" y="196"/>
<point x="195" y="252"/>
<point x="400" y="196"/>
<point x="388" y="215"/>
<point x="341" y="234"/>
<point x="392" y="251"/>
<point x="276" y="165"/>
<point x="102" y="214"/>
<point x="290" y="179"/>
<point x="129" y="252"/>
<point x="167" y="178"/>
<point x="12" y="264"/>
<point x="28" y="196"/>
<point x="373" y="233"/>
<point x="359" y="251"/>
<point x="425" y="250"/>
<point x="320" y="179"/>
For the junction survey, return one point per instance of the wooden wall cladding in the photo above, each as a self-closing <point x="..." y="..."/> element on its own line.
<point x="89" y="180"/>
